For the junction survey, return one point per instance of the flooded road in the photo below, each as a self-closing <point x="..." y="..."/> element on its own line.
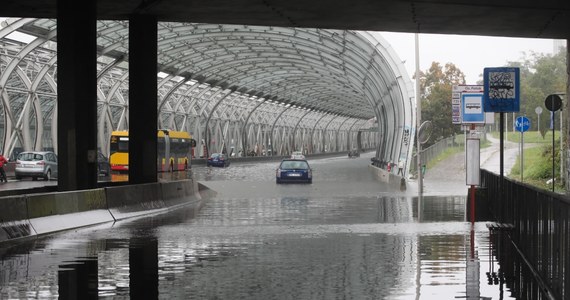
<point x="346" y="236"/>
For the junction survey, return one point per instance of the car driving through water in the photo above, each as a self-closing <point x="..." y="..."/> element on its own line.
<point x="294" y="170"/>
<point x="218" y="160"/>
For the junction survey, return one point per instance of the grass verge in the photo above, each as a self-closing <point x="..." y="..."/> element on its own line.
<point x="538" y="168"/>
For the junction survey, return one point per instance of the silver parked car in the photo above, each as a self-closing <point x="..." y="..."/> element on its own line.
<point x="36" y="164"/>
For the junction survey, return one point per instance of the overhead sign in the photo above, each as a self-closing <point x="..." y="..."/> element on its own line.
<point x="522" y="124"/>
<point x="502" y="89"/>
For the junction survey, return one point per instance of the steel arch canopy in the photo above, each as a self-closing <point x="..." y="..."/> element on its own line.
<point x="345" y="73"/>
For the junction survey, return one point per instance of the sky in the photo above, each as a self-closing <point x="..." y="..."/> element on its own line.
<point x="469" y="53"/>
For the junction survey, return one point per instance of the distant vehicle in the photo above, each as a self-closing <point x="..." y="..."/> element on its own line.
<point x="294" y="170"/>
<point x="174" y="151"/>
<point x="353" y="153"/>
<point x="103" y="165"/>
<point x="36" y="164"/>
<point x="218" y="160"/>
<point x="297" y="155"/>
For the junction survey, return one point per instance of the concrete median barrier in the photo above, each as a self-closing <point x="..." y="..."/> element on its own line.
<point x="134" y="200"/>
<point x="394" y="181"/>
<point x="177" y="193"/>
<point x="53" y="212"/>
<point x="14" y="221"/>
<point x="35" y="214"/>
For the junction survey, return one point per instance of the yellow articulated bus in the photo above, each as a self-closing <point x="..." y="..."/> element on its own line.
<point x="174" y="151"/>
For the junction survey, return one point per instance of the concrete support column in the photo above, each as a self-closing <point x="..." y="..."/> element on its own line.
<point x="142" y="99"/>
<point x="77" y="94"/>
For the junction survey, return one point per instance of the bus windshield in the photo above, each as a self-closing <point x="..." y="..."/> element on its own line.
<point x="122" y="145"/>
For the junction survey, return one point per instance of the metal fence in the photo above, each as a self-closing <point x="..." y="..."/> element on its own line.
<point x="541" y="228"/>
<point x="432" y="152"/>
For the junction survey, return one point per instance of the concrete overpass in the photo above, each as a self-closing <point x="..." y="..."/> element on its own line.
<point x="514" y="18"/>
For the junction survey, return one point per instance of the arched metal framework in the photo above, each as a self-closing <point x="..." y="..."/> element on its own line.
<point x="233" y="87"/>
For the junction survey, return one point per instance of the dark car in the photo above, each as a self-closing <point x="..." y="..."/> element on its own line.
<point x="218" y="160"/>
<point x="353" y="153"/>
<point x="103" y="166"/>
<point x="294" y="170"/>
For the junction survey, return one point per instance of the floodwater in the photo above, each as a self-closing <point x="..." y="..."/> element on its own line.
<point x="346" y="236"/>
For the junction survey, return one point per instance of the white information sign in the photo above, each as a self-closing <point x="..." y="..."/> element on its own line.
<point x="467" y="105"/>
<point x="472" y="108"/>
<point x="472" y="162"/>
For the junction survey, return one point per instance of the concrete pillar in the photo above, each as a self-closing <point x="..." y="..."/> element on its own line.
<point x="142" y="99"/>
<point x="77" y="94"/>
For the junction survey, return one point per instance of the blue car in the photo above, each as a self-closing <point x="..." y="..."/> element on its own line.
<point x="218" y="160"/>
<point x="294" y="170"/>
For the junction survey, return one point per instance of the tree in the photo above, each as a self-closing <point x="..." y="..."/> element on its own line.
<point x="435" y="88"/>
<point x="541" y="75"/>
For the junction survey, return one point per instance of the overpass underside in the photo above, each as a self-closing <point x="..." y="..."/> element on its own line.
<point x="237" y="89"/>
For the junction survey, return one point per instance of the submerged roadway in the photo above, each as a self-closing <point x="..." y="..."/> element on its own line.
<point x="346" y="236"/>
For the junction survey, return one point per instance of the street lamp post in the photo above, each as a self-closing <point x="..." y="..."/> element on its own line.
<point x="418" y="117"/>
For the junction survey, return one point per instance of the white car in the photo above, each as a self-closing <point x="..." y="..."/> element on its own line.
<point x="42" y="164"/>
<point x="297" y="155"/>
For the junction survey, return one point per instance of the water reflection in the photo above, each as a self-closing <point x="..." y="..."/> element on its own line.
<point x="513" y="276"/>
<point x="78" y="280"/>
<point x="257" y="240"/>
<point x="258" y="261"/>
<point x="143" y="269"/>
<point x="439" y="208"/>
<point x="167" y="176"/>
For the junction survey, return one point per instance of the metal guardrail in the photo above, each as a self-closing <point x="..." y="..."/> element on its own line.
<point x="541" y="228"/>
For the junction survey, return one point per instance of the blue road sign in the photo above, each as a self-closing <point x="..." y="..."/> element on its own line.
<point x="501" y="89"/>
<point x="472" y="108"/>
<point x="522" y="124"/>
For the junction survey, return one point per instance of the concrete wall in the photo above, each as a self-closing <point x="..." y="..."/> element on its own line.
<point x="36" y="214"/>
<point x="394" y="181"/>
<point x="202" y="161"/>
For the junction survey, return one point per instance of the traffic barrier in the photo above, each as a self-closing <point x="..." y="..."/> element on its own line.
<point x="14" y="221"/>
<point x="134" y="200"/>
<point x="65" y="210"/>
<point x="35" y="214"/>
<point x="393" y="181"/>
<point x="177" y="192"/>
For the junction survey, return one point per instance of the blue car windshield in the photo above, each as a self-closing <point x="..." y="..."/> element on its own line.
<point x="295" y="165"/>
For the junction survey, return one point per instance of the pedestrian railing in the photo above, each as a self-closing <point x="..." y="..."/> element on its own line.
<point x="433" y="151"/>
<point x="541" y="228"/>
